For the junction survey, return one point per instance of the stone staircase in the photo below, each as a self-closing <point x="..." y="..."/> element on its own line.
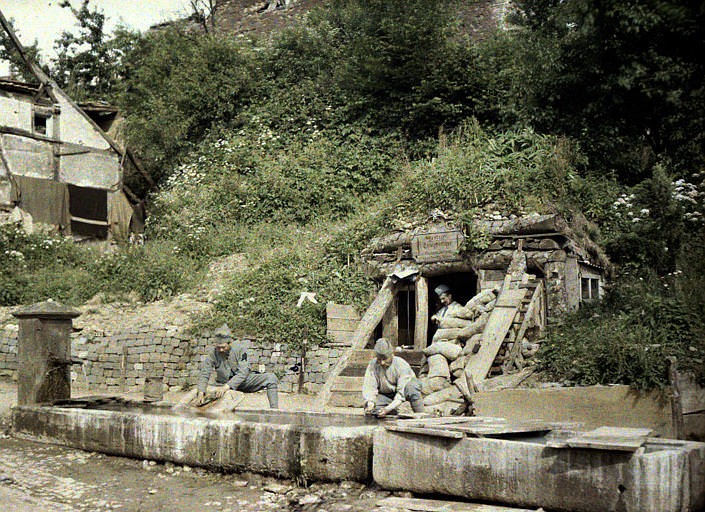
<point x="347" y="387"/>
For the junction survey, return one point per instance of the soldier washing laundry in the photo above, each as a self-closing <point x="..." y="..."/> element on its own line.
<point x="389" y="381"/>
<point x="230" y="362"/>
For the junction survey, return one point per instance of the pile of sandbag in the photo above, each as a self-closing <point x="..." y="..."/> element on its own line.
<point x="463" y="322"/>
<point x="445" y="379"/>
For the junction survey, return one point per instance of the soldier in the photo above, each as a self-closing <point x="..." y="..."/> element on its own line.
<point x="388" y="382"/>
<point x="232" y="372"/>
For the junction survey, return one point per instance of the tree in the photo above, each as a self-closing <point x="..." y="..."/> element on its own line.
<point x="178" y="88"/>
<point x="399" y="67"/>
<point x="623" y="77"/>
<point x="89" y="65"/>
<point x="9" y="53"/>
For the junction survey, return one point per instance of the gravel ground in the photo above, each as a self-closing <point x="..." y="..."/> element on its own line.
<point x="42" y="477"/>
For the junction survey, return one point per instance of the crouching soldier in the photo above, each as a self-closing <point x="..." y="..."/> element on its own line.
<point x="388" y="382"/>
<point x="230" y="362"/>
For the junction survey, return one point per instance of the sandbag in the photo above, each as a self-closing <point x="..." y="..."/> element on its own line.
<point x="445" y="394"/>
<point x="431" y="385"/>
<point x="462" y="386"/>
<point x="456" y="310"/>
<point x="459" y="363"/>
<point x="470" y="344"/>
<point x="446" y="334"/>
<point x="482" y="298"/>
<point x="475" y="328"/>
<point x="446" y="322"/>
<point x="449" y="350"/>
<point x="438" y="366"/>
<point x="488" y="307"/>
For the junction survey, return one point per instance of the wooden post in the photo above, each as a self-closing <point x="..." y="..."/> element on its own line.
<point x="421" y="327"/>
<point x="390" y="323"/>
<point x="365" y="329"/>
<point x="676" y="404"/>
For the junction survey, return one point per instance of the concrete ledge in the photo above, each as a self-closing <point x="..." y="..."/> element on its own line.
<point x="282" y="449"/>
<point x="595" y="406"/>
<point x="663" y="476"/>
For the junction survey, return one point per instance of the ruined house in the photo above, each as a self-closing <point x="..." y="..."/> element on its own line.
<point x="57" y="161"/>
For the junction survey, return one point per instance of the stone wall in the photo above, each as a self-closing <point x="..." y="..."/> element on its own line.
<point x="124" y="360"/>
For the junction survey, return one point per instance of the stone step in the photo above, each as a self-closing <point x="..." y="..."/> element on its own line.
<point x="345" y="399"/>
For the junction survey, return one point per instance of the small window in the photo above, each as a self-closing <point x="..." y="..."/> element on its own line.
<point x="594" y="288"/>
<point x="40" y="123"/>
<point x="585" y="286"/>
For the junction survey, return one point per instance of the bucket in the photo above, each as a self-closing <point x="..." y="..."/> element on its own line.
<point x="153" y="390"/>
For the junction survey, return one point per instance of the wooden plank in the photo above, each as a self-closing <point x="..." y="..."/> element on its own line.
<point x="611" y="438"/>
<point x="510" y="298"/>
<point x="364" y="330"/>
<point x="334" y="310"/>
<point x="494" y="333"/>
<point x="342" y="324"/>
<point x="431" y="422"/>
<point x="676" y="400"/>
<point x="390" y="324"/>
<point x="421" y="327"/>
<point x="361" y="357"/>
<point x="502" y="428"/>
<point x="424" y="505"/>
<point x="424" y="431"/>
<point x="342" y="337"/>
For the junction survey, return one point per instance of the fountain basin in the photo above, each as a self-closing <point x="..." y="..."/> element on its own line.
<point x="662" y="476"/>
<point x="312" y="446"/>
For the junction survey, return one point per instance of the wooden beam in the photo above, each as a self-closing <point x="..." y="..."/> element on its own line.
<point x="93" y="222"/>
<point x="495" y="331"/>
<point x="421" y="327"/>
<point x="676" y="404"/>
<point x="390" y="323"/>
<point x="424" y="431"/>
<point x="365" y="329"/>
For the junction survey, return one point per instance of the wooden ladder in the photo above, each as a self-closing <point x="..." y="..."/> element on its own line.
<point x="531" y="313"/>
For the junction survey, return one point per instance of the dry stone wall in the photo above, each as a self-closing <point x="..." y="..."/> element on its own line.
<point x="124" y="360"/>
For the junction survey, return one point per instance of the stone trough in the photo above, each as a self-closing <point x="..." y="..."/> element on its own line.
<point x="662" y="476"/>
<point x="312" y="446"/>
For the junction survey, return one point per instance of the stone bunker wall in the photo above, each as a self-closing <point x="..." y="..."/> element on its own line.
<point x="124" y="360"/>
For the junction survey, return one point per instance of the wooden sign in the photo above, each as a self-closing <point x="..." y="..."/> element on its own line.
<point x="439" y="244"/>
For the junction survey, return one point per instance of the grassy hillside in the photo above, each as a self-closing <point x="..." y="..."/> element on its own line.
<point x="369" y="116"/>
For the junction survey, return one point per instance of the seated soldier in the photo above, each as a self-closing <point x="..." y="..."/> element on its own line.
<point x="388" y="382"/>
<point x="448" y="306"/>
<point x="232" y="372"/>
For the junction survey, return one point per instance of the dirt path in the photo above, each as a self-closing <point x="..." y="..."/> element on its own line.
<point x="38" y="477"/>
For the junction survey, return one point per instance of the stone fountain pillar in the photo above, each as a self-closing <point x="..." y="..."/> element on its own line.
<point x="44" y="352"/>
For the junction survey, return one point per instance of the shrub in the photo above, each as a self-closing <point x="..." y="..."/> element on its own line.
<point x="627" y="338"/>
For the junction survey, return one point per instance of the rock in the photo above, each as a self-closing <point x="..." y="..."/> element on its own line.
<point x="239" y="483"/>
<point x="309" y="499"/>
<point x="277" y="488"/>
